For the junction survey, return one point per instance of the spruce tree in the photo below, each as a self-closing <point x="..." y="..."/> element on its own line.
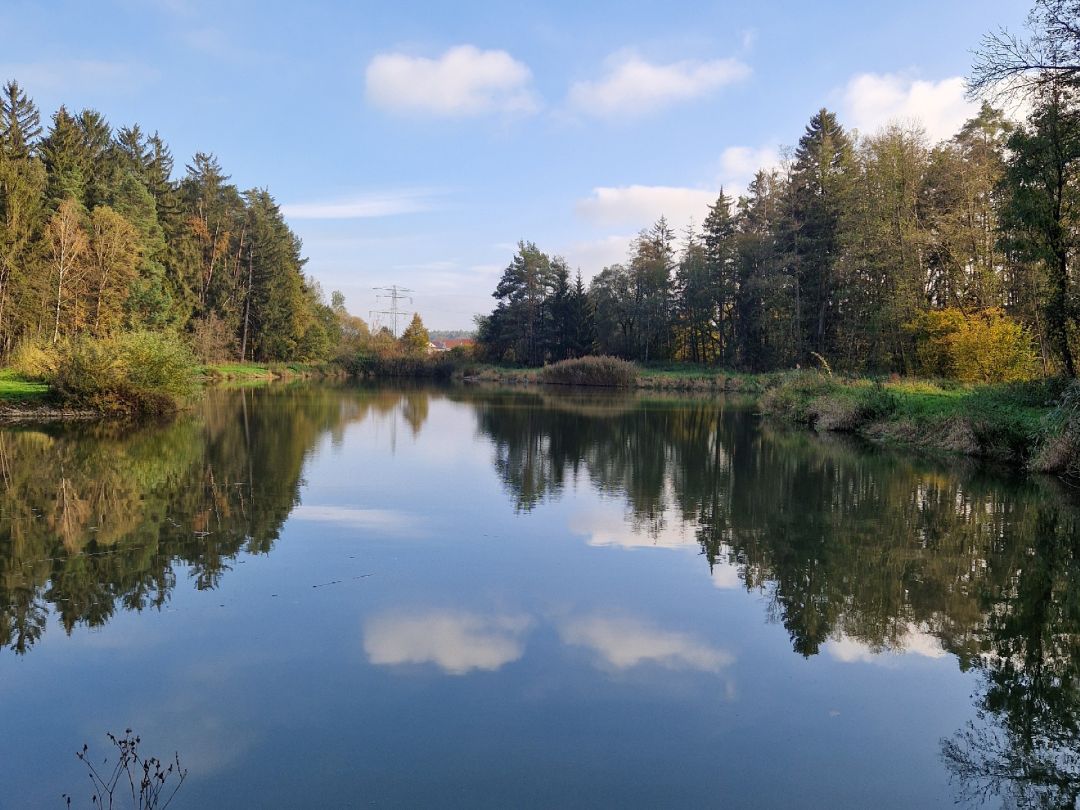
<point x="20" y="123"/>
<point x="818" y="200"/>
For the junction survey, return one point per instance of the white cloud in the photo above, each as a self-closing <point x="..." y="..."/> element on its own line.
<point x="623" y="643"/>
<point x="463" y="81"/>
<point x="363" y="206"/>
<point x="726" y="577"/>
<point x="80" y="76"/>
<point x="640" y="206"/>
<point x="594" y="255"/>
<point x="739" y="164"/>
<point x="872" y="100"/>
<point x="385" y="520"/>
<point x="456" y="642"/>
<point x="634" y="87"/>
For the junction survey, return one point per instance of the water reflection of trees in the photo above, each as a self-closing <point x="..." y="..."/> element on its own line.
<point x="97" y="518"/>
<point x="852" y="543"/>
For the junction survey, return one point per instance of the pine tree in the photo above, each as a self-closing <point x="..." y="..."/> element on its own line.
<point x="718" y="235"/>
<point x="20" y="123"/>
<point x="582" y="337"/>
<point x="65" y="159"/>
<point x="818" y="200"/>
<point x="22" y="192"/>
<point x="523" y="293"/>
<point x="557" y="342"/>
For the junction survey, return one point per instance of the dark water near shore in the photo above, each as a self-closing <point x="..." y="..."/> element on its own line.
<point x="339" y="597"/>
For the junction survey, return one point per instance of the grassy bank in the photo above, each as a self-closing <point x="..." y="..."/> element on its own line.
<point x="668" y="377"/>
<point x="256" y="373"/>
<point x="1016" y="423"/>
<point x="1033" y="424"/>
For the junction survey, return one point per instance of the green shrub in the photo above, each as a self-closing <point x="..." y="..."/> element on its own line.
<point x="35" y="359"/>
<point x="610" y="372"/>
<point x="136" y="372"/>
<point x="793" y="397"/>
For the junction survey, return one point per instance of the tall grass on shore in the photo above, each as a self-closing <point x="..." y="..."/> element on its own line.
<point x="130" y="373"/>
<point x="398" y="366"/>
<point x="609" y="372"/>
<point x="1058" y="449"/>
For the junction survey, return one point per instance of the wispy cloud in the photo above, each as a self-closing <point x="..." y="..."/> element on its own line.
<point x="80" y="75"/>
<point x="364" y="206"/>
<point x="639" y="206"/>
<point x="462" y="81"/>
<point x="633" y="86"/>
<point x="739" y="164"/>
<point x="623" y="643"/>
<point x="384" y="520"/>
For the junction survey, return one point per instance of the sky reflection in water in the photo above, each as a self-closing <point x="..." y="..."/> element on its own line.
<point x="467" y="597"/>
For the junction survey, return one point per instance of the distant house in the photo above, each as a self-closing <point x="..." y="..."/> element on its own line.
<point x="448" y="344"/>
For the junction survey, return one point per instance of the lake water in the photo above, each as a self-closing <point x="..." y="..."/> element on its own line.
<point x="390" y="597"/>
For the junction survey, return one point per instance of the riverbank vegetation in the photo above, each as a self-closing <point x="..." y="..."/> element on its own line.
<point x="609" y="372"/>
<point x="130" y="372"/>
<point x="874" y="255"/>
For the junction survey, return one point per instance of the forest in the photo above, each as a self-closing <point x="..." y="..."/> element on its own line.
<point x="96" y="237"/>
<point x="875" y="252"/>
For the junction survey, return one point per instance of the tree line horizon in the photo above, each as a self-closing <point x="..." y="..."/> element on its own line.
<point x="883" y="253"/>
<point x="869" y="254"/>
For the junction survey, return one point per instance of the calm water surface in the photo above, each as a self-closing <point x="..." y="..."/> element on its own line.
<point x="344" y="597"/>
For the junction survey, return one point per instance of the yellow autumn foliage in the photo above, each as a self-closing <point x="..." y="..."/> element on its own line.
<point x="986" y="346"/>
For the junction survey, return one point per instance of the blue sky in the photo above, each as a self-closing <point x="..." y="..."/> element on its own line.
<point x="415" y="143"/>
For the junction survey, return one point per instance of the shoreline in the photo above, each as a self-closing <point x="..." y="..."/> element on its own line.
<point x="1001" y="423"/>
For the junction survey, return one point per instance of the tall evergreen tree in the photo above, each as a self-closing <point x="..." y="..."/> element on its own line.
<point x="718" y="235"/>
<point x="818" y="200"/>
<point x="20" y="122"/>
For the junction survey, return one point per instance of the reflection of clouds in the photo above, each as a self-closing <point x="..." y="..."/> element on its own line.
<point x="456" y="642"/>
<point x="914" y="641"/>
<point x="622" y="643"/>
<point x="385" y="520"/>
<point x="602" y="527"/>
<point x="726" y="576"/>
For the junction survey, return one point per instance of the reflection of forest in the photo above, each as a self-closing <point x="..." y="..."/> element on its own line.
<point x="853" y="544"/>
<point x="846" y="543"/>
<point x="92" y="518"/>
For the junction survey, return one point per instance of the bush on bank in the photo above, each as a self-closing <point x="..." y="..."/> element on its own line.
<point x="440" y="366"/>
<point x="133" y="372"/>
<point x="604" y="371"/>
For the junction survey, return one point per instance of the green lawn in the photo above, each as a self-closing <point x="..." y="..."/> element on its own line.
<point x="236" y="370"/>
<point x="253" y="372"/>
<point x="14" y="388"/>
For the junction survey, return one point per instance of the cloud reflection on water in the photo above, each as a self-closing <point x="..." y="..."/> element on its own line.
<point x="456" y="642"/>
